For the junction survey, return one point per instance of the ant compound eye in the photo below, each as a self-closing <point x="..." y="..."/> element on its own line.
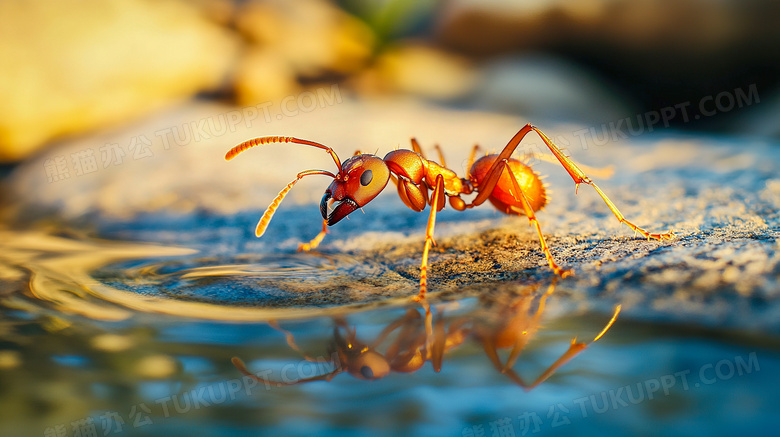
<point x="366" y="177"/>
<point x="369" y="365"/>
<point x="366" y="371"/>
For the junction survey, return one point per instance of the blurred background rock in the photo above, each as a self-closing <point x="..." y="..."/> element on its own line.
<point x="68" y="68"/>
<point x="72" y="67"/>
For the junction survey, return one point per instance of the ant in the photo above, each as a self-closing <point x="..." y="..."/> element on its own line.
<point x="510" y="185"/>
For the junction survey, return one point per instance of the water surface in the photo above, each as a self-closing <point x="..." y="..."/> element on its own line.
<point x="136" y="338"/>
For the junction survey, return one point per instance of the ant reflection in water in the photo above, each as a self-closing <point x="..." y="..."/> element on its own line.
<point x="502" y="322"/>
<point x="413" y="345"/>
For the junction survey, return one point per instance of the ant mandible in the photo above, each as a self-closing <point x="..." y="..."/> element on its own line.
<point x="510" y="185"/>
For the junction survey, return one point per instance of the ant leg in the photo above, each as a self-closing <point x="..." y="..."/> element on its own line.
<point x="490" y="351"/>
<point x="305" y="247"/>
<point x="405" y="189"/>
<point x="408" y="350"/>
<point x="456" y="334"/>
<point x="411" y="316"/>
<point x="413" y="196"/>
<point x="437" y="203"/>
<point x="242" y="368"/>
<point x="494" y="173"/>
<point x="416" y="148"/>
<point x="602" y="172"/>
<point x="439" y="344"/>
<point x="291" y="342"/>
<point x="543" y="299"/>
<point x="518" y="347"/>
<point x="581" y="178"/>
<point x="574" y="349"/>
<point x="442" y="161"/>
<point x="472" y="158"/>
<point x="529" y="212"/>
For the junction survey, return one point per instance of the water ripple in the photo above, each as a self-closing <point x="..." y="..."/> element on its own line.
<point x="109" y="280"/>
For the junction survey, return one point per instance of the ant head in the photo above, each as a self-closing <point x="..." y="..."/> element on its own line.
<point x="360" y="179"/>
<point x="369" y="365"/>
<point x="359" y="359"/>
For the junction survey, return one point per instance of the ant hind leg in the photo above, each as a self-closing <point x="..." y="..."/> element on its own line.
<point x="580" y="177"/>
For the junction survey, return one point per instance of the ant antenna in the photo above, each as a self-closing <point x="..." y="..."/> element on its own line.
<point x="232" y="153"/>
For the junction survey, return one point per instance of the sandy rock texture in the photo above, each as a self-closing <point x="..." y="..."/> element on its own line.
<point x="720" y="195"/>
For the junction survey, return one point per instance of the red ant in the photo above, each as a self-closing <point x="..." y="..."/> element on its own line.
<point x="510" y="185"/>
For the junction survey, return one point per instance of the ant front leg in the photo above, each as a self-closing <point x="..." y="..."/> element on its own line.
<point x="311" y="245"/>
<point x="437" y="203"/>
<point x="580" y="177"/>
<point x="294" y="346"/>
<point x="305" y="247"/>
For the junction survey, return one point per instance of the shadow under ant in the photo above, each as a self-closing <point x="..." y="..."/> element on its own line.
<point x="502" y="322"/>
